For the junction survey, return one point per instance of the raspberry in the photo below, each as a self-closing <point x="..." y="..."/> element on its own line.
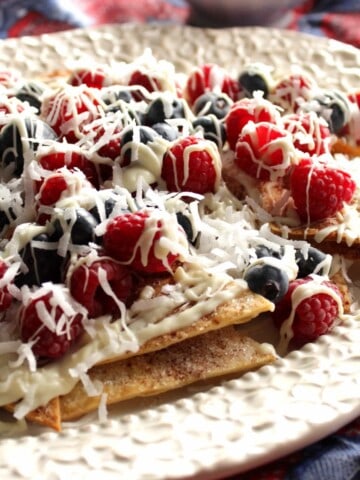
<point x="310" y="134"/>
<point x="87" y="288"/>
<point x="143" y="240"/>
<point x="292" y="91"/>
<point x="72" y="160"/>
<point x="95" y="78"/>
<point x="51" y="189"/>
<point x="145" y="80"/>
<point x="5" y="296"/>
<point x="264" y="150"/>
<point x="69" y="109"/>
<point x="51" y="341"/>
<point x="191" y="164"/>
<point x="314" y="314"/>
<point x="247" y="110"/>
<point x="210" y="78"/>
<point x="319" y="191"/>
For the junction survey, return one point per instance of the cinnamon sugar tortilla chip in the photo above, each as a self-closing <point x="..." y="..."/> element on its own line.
<point x="331" y="244"/>
<point x="47" y="415"/>
<point x="213" y="354"/>
<point x="246" y="306"/>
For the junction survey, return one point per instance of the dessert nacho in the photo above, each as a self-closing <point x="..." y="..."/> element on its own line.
<point x="138" y="229"/>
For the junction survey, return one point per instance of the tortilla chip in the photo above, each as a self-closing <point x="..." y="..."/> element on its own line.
<point x="246" y="306"/>
<point x="330" y="244"/>
<point x="46" y="416"/>
<point x="341" y="146"/>
<point x="213" y="354"/>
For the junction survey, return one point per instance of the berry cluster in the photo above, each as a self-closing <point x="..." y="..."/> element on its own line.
<point x="77" y="160"/>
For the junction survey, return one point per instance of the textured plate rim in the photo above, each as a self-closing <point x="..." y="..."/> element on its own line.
<point x="188" y="437"/>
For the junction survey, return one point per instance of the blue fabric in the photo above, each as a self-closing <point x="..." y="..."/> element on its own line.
<point x="334" y="458"/>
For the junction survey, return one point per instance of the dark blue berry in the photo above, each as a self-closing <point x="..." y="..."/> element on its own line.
<point x="162" y="109"/>
<point x="253" y="80"/>
<point x="268" y="281"/>
<point x="217" y="104"/>
<point x="6" y="217"/>
<point x="166" y="131"/>
<point x="333" y="107"/>
<point x="18" y="137"/>
<point x="212" y="128"/>
<point x="309" y="262"/>
<point x="185" y="222"/>
<point x="31" y="92"/>
<point x="82" y="227"/>
<point x="41" y="262"/>
<point x="135" y="134"/>
<point x="113" y="95"/>
<point x="264" y="251"/>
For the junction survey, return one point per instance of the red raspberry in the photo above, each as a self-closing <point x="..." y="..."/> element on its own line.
<point x="72" y="160"/>
<point x="290" y="92"/>
<point x="191" y="165"/>
<point x="145" y="80"/>
<point x="247" y="110"/>
<point x="209" y="78"/>
<point x="87" y="288"/>
<point x="135" y="239"/>
<point x="93" y="78"/>
<point x="51" y="341"/>
<point x="310" y="134"/>
<point x="5" y="296"/>
<point x="314" y="314"/>
<point x="51" y="189"/>
<point x="264" y="150"/>
<point x="69" y="109"/>
<point x="319" y="191"/>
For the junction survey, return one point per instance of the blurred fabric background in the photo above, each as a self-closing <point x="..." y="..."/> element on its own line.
<point x="331" y="18"/>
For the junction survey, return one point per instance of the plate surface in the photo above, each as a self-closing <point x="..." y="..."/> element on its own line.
<point x="213" y="431"/>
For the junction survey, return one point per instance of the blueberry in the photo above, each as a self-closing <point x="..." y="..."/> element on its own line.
<point x="185" y="222"/>
<point x="162" y="109"/>
<point x="109" y="205"/>
<point x="82" y="229"/>
<point x="333" y="107"/>
<point x="135" y="135"/>
<point x="166" y="131"/>
<point x="264" y="251"/>
<point x="18" y="136"/>
<point x="213" y="129"/>
<point x="42" y="262"/>
<point x="268" y="281"/>
<point x="252" y="81"/>
<point x="31" y="92"/>
<point x="113" y="95"/>
<point x="307" y="265"/>
<point x="6" y="217"/>
<point x="217" y="104"/>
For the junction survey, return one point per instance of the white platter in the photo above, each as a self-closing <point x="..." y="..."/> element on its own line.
<point x="212" y="431"/>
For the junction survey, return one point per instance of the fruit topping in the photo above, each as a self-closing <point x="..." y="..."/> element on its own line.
<point x="147" y="241"/>
<point x="264" y="151"/>
<point x="210" y="78"/>
<point x="309" y="309"/>
<point x="51" y="322"/>
<point x="214" y="103"/>
<point x="319" y="191"/>
<point x="248" y="110"/>
<point x="254" y="78"/>
<point x="268" y="280"/>
<point x="102" y="286"/>
<point x="191" y="164"/>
